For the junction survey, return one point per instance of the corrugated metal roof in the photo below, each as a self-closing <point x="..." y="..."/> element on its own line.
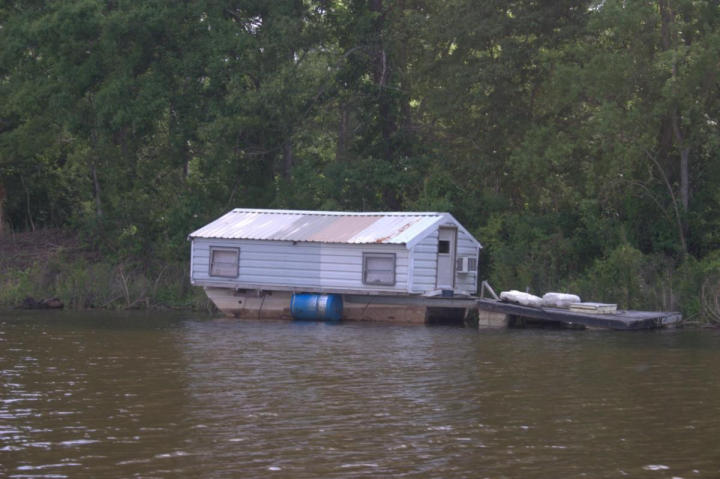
<point x="320" y="226"/>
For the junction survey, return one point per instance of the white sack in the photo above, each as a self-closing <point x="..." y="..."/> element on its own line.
<point x="559" y="300"/>
<point x="525" y="299"/>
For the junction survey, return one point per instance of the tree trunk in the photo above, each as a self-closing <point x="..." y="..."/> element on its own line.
<point x="684" y="162"/>
<point x="342" y="139"/>
<point x="96" y="188"/>
<point x="685" y="178"/>
<point x="387" y="63"/>
<point x="288" y="159"/>
<point x="93" y="173"/>
<point x="381" y="73"/>
<point x="178" y="147"/>
<point x="30" y="222"/>
<point x="3" y="195"/>
<point x="186" y="164"/>
<point x="668" y="41"/>
<point x="667" y="19"/>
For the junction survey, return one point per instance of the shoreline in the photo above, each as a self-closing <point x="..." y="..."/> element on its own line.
<point x="54" y="264"/>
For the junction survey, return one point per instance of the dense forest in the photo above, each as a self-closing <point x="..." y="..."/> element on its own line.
<point x="578" y="140"/>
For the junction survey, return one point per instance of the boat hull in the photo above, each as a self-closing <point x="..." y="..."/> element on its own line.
<point x="254" y="304"/>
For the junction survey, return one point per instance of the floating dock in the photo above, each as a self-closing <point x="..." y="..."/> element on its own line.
<point x="441" y="308"/>
<point x="620" y="320"/>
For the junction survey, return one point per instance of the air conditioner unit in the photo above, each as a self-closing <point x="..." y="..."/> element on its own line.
<point x="466" y="264"/>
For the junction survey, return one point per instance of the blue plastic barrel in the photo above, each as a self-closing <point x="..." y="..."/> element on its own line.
<point x="316" y="307"/>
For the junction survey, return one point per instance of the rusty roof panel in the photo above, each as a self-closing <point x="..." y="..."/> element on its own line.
<point x="319" y="226"/>
<point x="343" y="228"/>
<point x="392" y="229"/>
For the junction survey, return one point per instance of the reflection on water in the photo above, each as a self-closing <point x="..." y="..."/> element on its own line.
<point x="177" y="396"/>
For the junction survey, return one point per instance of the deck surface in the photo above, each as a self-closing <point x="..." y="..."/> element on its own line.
<point x="626" y="320"/>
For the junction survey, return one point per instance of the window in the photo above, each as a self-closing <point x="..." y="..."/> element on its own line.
<point x="466" y="264"/>
<point x="472" y="264"/>
<point x="379" y="269"/>
<point x="224" y="262"/>
<point x="443" y="246"/>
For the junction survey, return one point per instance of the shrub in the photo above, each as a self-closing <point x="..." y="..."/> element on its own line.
<point x="83" y="284"/>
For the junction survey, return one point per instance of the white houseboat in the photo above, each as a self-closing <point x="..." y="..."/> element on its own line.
<point x="260" y="263"/>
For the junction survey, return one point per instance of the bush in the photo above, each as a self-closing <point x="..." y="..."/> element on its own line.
<point x="655" y="282"/>
<point x="81" y="284"/>
<point x="709" y="298"/>
<point x="618" y="278"/>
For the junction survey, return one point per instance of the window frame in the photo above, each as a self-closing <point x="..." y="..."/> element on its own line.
<point x="472" y="264"/>
<point x="368" y="255"/>
<point x="443" y="246"/>
<point x="225" y="249"/>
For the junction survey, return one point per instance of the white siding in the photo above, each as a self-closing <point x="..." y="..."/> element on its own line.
<point x="466" y="247"/>
<point x="301" y="266"/>
<point x="425" y="264"/>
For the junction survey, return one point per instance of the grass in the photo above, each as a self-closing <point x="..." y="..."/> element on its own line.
<point x="83" y="285"/>
<point x="52" y="263"/>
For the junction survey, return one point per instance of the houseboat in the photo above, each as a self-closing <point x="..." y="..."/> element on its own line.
<point x="384" y="266"/>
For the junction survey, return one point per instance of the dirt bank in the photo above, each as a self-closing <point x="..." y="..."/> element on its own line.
<point x="22" y="250"/>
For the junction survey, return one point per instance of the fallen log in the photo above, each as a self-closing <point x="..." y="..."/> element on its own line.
<point x="47" y="303"/>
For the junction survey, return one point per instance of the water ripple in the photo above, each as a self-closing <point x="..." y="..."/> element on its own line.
<point x="118" y="396"/>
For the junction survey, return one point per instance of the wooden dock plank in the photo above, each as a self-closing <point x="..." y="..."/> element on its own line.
<point x="623" y="320"/>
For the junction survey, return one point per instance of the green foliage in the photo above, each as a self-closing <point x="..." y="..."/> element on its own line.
<point x="620" y="278"/>
<point x="579" y="140"/>
<point x="16" y="285"/>
<point x="527" y="252"/>
<point x="82" y="284"/>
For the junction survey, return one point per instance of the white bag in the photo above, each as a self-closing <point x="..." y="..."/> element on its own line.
<point x="559" y="300"/>
<point x="525" y="299"/>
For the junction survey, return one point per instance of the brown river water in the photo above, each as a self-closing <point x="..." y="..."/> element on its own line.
<point x="148" y="395"/>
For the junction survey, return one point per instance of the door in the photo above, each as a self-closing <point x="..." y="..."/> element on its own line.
<point x="447" y="237"/>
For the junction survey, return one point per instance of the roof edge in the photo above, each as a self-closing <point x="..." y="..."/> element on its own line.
<point x="434" y="218"/>
<point x="190" y="237"/>
<point x="445" y="216"/>
<point x="337" y="213"/>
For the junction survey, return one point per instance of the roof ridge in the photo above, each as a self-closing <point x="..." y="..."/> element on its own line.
<point x="338" y="213"/>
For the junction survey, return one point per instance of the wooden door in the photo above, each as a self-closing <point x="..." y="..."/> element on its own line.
<point x="447" y="239"/>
